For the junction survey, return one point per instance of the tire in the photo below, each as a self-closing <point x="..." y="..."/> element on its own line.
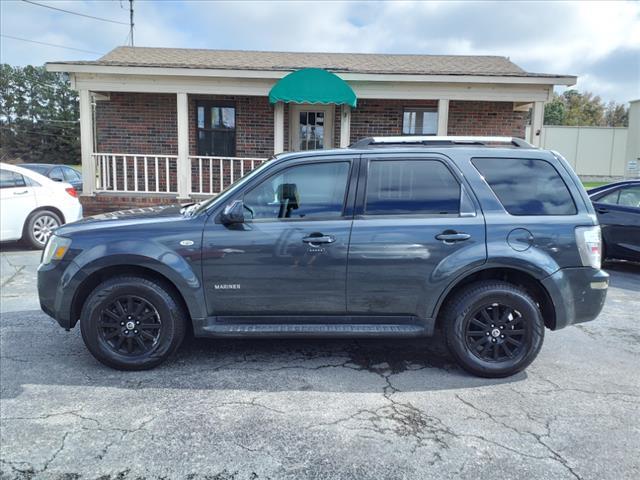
<point x="493" y="316"/>
<point x="38" y="226"/>
<point x="145" y="329"/>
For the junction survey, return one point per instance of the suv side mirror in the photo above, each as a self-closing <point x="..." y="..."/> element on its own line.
<point x="233" y="213"/>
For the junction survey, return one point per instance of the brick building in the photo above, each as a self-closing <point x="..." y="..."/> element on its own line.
<point x="162" y="124"/>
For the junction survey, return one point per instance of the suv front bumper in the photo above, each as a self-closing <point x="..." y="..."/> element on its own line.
<point x="578" y="294"/>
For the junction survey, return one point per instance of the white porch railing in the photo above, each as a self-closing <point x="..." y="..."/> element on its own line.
<point x="122" y="172"/>
<point x="211" y="175"/>
<point x="131" y="173"/>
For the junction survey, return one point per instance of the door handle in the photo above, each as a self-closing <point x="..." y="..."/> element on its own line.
<point x="602" y="210"/>
<point x="21" y="193"/>
<point x="319" y="238"/>
<point x="450" y="236"/>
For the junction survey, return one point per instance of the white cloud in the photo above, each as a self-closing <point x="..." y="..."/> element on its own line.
<point x="549" y="37"/>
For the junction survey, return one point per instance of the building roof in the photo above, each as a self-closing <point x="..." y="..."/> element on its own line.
<point x="368" y="63"/>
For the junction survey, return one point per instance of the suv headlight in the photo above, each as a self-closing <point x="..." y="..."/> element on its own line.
<point x="55" y="249"/>
<point x="589" y="241"/>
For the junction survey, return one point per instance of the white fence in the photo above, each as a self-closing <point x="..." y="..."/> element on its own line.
<point x="211" y="175"/>
<point x="157" y="174"/>
<point x="591" y="151"/>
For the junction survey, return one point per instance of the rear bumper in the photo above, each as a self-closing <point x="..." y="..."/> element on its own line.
<point x="578" y="294"/>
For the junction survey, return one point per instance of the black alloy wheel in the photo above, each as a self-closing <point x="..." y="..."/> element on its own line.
<point x="496" y="332"/>
<point x="130" y="325"/>
<point x="493" y="328"/>
<point x="133" y="323"/>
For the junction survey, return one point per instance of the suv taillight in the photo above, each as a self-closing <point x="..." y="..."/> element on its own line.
<point x="589" y="243"/>
<point x="71" y="191"/>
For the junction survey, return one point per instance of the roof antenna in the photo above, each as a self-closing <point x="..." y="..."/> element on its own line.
<point x="131" y="20"/>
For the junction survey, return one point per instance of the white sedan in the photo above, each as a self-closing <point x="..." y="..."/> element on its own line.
<point x="31" y="205"/>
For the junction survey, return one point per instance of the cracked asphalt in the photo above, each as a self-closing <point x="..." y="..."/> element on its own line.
<point x="321" y="409"/>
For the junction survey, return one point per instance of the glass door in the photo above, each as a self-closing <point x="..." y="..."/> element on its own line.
<point x="311" y="127"/>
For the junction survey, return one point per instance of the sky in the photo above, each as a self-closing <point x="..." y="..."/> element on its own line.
<point x="597" y="41"/>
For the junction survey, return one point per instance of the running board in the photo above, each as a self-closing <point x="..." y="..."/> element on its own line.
<point x="312" y="330"/>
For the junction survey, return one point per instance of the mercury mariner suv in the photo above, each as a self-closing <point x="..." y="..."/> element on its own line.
<point x="488" y="239"/>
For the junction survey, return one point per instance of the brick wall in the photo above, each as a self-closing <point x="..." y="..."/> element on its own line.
<point x="143" y="123"/>
<point x="102" y="203"/>
<point x="382" y="117"/>
<point x="146" y="123"/>
<point x="485" y="118"/>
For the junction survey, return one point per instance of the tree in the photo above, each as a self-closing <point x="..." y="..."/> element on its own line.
<point x="38" y="116"/>
<point x="616" y="115"/>
<point x="584" y="109"/>
<point x="555" y="111"/>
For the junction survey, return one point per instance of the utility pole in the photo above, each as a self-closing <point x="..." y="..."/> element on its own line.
<point x="131" y="20"/>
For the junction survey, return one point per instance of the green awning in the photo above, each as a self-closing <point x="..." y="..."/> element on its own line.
<point x="312" y="85"/>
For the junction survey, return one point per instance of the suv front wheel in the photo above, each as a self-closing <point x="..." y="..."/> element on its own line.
<point x="493" y="329"/>
<point x="132" y="323"/>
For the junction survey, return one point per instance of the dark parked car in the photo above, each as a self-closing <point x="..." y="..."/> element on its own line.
<point x="59" y="173"/>
<point x="618" y="209"/>
<point x="393" y="237"/>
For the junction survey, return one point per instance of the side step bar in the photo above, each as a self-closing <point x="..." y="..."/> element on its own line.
<point x="312" y="330"/>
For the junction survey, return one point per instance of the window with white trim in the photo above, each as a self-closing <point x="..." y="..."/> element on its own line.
<point x="420" y="121"/>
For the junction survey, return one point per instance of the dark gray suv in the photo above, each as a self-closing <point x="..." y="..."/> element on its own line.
<point x="487" y="238"/>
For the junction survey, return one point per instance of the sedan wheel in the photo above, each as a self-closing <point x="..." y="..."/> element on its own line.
<point x="39" y="227"/>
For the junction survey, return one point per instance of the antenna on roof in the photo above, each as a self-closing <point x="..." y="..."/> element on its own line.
<point x="131" y="21"/>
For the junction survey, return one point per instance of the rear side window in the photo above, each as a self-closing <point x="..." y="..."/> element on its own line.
<point x="56" y="174"/>
<point x="411" y="187"/>
<point x="526" y="186"/>
<point x="70" y="175"/>
<point x="9" y="179"/>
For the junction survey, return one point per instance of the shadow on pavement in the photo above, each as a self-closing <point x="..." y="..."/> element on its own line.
<point x="36" y="352"/>
<point x="627" y="274"/>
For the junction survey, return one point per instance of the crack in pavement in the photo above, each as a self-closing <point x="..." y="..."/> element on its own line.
<point x="555" y="455"/>
<point x="30" y="470"/>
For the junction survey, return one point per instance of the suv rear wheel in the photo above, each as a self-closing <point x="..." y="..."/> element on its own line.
<point x="132" y="323"/>
<point x="493" y="329"/>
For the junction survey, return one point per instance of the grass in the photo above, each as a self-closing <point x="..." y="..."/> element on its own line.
<point x="588" y="185"/>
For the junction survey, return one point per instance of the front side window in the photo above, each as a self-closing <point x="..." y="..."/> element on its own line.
<point x="303" y="191"/>
<point x="411" y="187"/>
<point x="629" y="197"/>
<point x="420" y="121"/>
<point x="527" y="187"/>
<point x="9" y="179"/>
<point x="216" y="129"/>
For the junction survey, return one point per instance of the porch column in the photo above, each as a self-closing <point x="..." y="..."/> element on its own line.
<point x="537" y="118"/>
<point x="345" y="126"/>
<point x="443" y="117"/>
<point x="86" y="143"/>
<point x="184" y="166"/>
<point x="278" y="127"/>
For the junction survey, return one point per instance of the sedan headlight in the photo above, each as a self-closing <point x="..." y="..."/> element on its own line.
<point x="56" y="249"/>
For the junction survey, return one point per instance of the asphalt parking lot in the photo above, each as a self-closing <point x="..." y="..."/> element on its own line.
<point x="317" y="409"/>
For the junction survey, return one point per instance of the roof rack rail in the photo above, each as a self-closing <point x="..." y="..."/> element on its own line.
<point x="435" y="140"/>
